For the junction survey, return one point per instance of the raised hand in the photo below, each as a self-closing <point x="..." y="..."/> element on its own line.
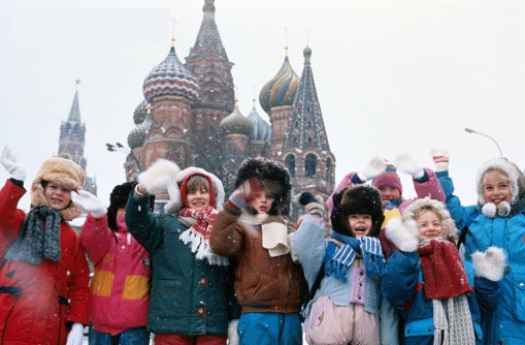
<point x="89" y="203"/>
<point x="373" y="169"/>
<point x="11" y="165"/>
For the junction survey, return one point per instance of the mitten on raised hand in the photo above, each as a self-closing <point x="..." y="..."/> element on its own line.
<point x="311" y="204"/>
<point x="159" y="176"/>
<point x="233" y="335"/>
<point x="245" y="193"/>
<point x="76" y="334"/>
<point x="11" y="165"/>
<point x="373" y="169"/>
<point x="403" y="235"/>
<point x="406" y="163"/>
<point x="89" y="203"/>
<point x="490" y="264"/>
<point x="440" y="157"/>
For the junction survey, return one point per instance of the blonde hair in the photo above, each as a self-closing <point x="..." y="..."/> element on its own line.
<point x="418" y="207"/>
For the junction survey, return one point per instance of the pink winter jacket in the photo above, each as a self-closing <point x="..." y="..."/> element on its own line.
<point x="121" y="284"/>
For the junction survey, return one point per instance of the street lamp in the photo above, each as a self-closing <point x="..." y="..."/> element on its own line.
<point x="118" y="147"/>
<point x="471" y="131"/>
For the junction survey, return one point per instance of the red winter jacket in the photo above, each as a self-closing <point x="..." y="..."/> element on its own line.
<point x="120" y="286"/>
<point x="38" y="301"/>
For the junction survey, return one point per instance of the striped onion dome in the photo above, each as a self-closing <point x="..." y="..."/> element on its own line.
<point x="281" y="89"/>
<point x="137" y="136"/>
<point x="236" y="123"/>
<point x="140" y="112"/>
<point x="171" y="78"/>
<point x="262" y="131"/>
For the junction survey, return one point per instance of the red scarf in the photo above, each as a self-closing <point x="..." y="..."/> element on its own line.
<point x="204" y="219"/>
<point x="444" y="274"/>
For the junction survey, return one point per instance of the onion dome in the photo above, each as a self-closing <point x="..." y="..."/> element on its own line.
<point x="262" y="131"/>
<point x="137" y="137"/>
<point x="281" y="89"/>
<point x="236" y="123"/>
<point x="171" y="78"/>
<point x="140" y="112"/>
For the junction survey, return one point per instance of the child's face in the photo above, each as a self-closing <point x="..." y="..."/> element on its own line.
<point x="429" y="226"/>
<point x="496" y="187"/>
<point x="57" y="196"/>
<point x="262" y="203"/>
<point x="389" y="193"/>
<point x="361" y="224"/>
<point x="198" y="199"/>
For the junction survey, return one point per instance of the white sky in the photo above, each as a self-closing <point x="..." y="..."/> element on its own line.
<point x="392" y="76"/>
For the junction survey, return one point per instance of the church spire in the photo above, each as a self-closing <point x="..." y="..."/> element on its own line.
<point x="74" y="112"/>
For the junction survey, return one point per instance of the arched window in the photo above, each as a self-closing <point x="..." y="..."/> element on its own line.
<point x="290" y="164"/>
<point x="329" y="170"/>
<point x="310" y="166"/>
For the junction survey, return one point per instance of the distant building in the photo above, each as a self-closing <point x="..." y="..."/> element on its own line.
<point x="189" y="115"/>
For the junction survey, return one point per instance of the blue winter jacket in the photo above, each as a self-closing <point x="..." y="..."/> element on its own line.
<point x="508" y="325"/>
<point x="402" y="284"/>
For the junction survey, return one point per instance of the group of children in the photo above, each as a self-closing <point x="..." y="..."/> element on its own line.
<point x="207" y="271"/>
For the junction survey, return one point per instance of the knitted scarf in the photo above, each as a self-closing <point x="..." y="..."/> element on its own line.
<point x="453" y="321"/>
<point x="39" y="237"/>
<point x="198" y="234"/>
<point x="339" y="258"/>
<point x="274" y="232"/>
<point x="443" y="271"/>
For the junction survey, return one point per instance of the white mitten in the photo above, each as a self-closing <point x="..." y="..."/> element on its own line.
<point x="76" y="334"/>
<point x="490" y="264"/>
<point x="440" y="157"/>
<point x="89" y="203"/>
<point x="233" y="335"/>
<point x="403" y="235"/>
<point x="374" y="168"/>
<point x="159" y="176"/>
<point x="10" y="163"/>
<point x="406" y="163"/>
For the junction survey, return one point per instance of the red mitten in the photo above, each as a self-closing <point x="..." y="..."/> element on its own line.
<point x="245" y="193"/>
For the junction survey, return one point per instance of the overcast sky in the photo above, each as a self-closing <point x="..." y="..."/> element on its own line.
<point x="392" y="76"/>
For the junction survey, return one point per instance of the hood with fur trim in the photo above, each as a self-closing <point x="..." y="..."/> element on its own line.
<point x="357" y="199"/>
<point x="273" y="177"/>
<point x="63" y="172"/>
<point x="427" y="204"/>
<point x="176" y="200"/>
<point x="517" y="187"/>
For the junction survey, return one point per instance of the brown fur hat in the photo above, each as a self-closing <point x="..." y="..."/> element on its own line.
<point x="357" y="199"/>
<point x="63" y="172"/>
<point x="274" y="179"/>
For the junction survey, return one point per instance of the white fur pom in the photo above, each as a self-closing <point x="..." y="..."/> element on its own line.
<point x="503" y="209"/>
<point x="159" y="176"/>
<point x="489" y="210"/>
<point x="490" y="264"/>
<point x="233" y="336"/>
<point x="403" y="235"/>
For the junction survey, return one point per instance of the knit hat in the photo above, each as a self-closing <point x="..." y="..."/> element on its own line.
<point x="117" y="199"/>
<point x="389" y="178"/>
<point x="273" y="177"/>
<point x="357" y="199"/>
<point x="178" y="201"/>
<point x="63" y="172"/>
<point x="517" y="186"/>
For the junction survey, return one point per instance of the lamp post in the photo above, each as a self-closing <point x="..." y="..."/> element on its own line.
<point x="118" y="147"/>
<point x="471" y="131"/>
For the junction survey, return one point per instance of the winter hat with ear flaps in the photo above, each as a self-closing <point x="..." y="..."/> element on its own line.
<point x="63" y="172"/>
<point x="357" y="199"/>
<point x="178" y="201"/>
<point x="516" y="182"/>
<point x="273" y="177"/>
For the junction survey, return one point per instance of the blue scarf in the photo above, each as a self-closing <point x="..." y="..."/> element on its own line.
<point x="339" y="259"/>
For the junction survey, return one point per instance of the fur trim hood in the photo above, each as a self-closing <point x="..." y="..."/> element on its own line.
<point x="413" y="210"/>
<point x="274" y="178"/>
<point x="176" y="200"/>
<point x="357" y="199"/>
<point x="63" y="172"/>
<point x="517" y="187"/>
